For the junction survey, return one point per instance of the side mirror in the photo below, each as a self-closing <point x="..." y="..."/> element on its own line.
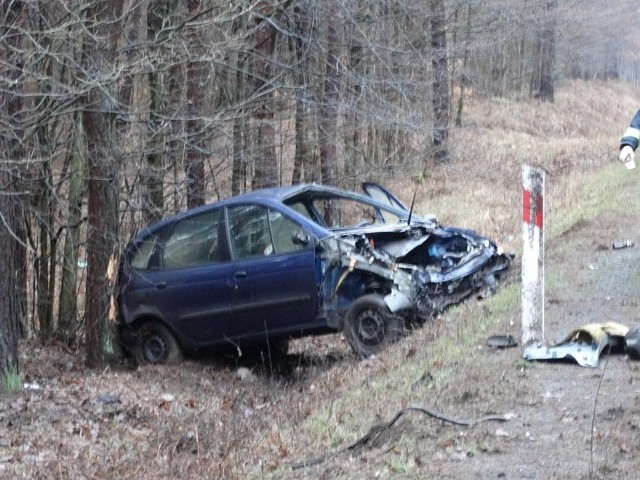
<point x="300" y="238"/>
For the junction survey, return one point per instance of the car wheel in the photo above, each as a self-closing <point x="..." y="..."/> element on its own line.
<point x="279" y="348"/>
<point x="157" y="345"/>
<point x="370" y="326"/>
<point x="632" y="342"/>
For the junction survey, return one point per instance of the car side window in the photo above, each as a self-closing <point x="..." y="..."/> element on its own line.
<point x="193" y="241"/>
<point x="257" y="231"/>
<point x="345" y="213"/>
<point x="283" y="230"/>
<point x="249" y="231"/>
<point x="142" y="254"/>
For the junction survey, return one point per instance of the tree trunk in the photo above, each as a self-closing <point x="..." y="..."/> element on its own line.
<point x="9" y="305"/>
<point x="266" y="171"/>
<point x="67" y="327"/>
<point x="194" y="159"/>
<point x="300" y="155"/>
<point x="144" y="101"/>
<point x="239" y="165"/>
<point x="440" y="82"/>
<point x="194" y="134"/>
<point x="153" y="170"/>
<point x="547" y="53"/>
<point x="239" y="169"/>
<point x="99" y="125"/>
<point x="464" y="78"/>
<point x="299" y="46"/>
<point x="44" y="205"/>
<point x="11" y="250"/>
<point x="328" y="111"/>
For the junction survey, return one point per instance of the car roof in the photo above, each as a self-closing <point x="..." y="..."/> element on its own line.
<point x="271" y="196"/>
<point x="275" y="195"/>
<point x="282" y="193"/>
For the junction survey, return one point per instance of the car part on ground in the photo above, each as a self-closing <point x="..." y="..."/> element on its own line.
<point x="584" y="344"/>
<point x="287" y="262"/>
<point x="501" y="341"/>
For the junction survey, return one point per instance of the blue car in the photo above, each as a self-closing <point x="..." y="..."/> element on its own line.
<point x="279" y="263"/>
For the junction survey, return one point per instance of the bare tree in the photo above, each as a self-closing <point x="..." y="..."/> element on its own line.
<point x="440" y="82"/>
<point x="328" y="111"/>
<point x="300" y="44"/>
<point x="9" y="308"/>
<point x="67" y="315"/>
<point x="196" y="82"/>
<point x="12" y="15"/>
<point x="262" y="69"/>
<point x="99" y="124"/>
<point x="547" y="51"/>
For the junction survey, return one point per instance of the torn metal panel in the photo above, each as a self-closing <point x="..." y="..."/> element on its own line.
<point x="350" y="265"/>
<point x="421" y="273"/>
<point x="585" y="353"/>
<point x="584" y="344"/>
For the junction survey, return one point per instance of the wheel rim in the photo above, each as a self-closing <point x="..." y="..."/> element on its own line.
<point x="370" y="327"/>
<point x="154" y="348"/>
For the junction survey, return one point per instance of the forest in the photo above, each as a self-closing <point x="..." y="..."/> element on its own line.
<point x="117" y="113"/>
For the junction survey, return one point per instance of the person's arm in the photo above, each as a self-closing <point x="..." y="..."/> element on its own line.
<point x="630" y="139"/>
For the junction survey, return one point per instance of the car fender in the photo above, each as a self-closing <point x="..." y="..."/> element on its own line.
<point x="398" y="301"/>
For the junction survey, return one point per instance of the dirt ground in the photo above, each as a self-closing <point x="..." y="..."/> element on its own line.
<point x="210" y="418"/>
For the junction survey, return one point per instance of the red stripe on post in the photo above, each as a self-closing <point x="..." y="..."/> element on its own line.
<point x="526" y="208"/>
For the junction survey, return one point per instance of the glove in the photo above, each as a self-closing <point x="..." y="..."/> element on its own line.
<point x="626" y="154"/>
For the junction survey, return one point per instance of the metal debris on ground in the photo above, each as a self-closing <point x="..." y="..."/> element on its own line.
<point x="625" y="244"/>
<point x="501" y="341"/>
<point x="584" y="344"/>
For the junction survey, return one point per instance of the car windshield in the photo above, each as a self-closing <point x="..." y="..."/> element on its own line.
<point x="335" y="211"/>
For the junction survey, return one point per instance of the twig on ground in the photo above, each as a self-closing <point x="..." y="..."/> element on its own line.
<point x="375" y="431"/>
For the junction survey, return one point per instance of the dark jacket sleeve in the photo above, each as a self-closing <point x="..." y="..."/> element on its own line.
<point x="631" y="135"/>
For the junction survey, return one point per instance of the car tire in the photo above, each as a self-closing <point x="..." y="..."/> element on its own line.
<point x="632" y="342"/>
<point x="157" y="345"/>
<point x="279" y="348"/>
<point x="370" y="326"/>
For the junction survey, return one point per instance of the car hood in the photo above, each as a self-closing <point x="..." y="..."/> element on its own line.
<point x="400" y="240"/>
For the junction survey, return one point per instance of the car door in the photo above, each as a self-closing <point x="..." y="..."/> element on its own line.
<point x="274" y="275"/>
<point x="184" y="281"/>
<point x="383" y="195"/>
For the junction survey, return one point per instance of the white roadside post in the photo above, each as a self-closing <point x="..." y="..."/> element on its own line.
<point x="532" y="255"/>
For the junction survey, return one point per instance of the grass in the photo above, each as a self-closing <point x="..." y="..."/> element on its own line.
<point x="12" y="382"/>
<point x="587" y="196"/>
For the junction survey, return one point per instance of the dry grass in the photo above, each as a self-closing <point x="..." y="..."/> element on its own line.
<point x="199" y="420"/>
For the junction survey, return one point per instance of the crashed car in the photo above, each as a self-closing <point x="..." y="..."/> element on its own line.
<point x="279" y="263"/>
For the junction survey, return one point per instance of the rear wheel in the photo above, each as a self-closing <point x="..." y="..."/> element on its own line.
<point x="370" y="326"/>
<point x="279" y="348"/>
<point x="157" y="345"/>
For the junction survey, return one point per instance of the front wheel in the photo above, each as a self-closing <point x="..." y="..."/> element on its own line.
<point x="370" y="326"/>
<point x="157" y="345"/>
